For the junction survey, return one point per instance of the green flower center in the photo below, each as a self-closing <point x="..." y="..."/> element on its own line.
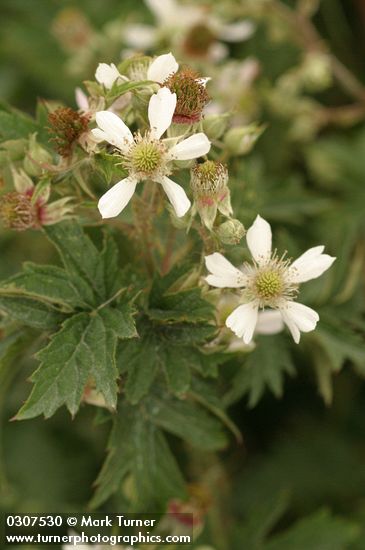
<point x="146" y="157"/>
<point x="269" y="284"/>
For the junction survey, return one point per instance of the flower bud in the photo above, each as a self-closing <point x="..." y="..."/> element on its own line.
<point x="36" y="157"/>
<point x="215" y="125"/>
<point x="22" y="182"/>
<point x="240" y="140"/>
<point x="231" y="231"/>
<point x="316" y="72"/>
<point x="191" y="94"/>
<point x="209" y="185"/>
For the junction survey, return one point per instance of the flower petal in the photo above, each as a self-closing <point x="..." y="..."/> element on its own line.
<point x="141" y="37"/>
<point x="259" y="239"/>
<point x="162" y="67"/>
<point x="160" y="111"/>
<point x="269" y="322"/>
<point x="116" y="132"/>
<point x="163" y="11"/>
<point x="242" y="321"/>
<point x="107" y="74"/>
<point x="116" y="199"/>
<point x="298" y="318"/>
<point x="310" y="265"/>
<point x="176" y="196"/>
<point x="81" y="100"/>
<point x="236" y="32"/>
<point x="191" y="148"/>
<point x="223" y="273"/>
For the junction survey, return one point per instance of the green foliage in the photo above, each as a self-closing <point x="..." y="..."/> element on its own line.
<point x="264" y="368"/>
<point x="83" y="350"/>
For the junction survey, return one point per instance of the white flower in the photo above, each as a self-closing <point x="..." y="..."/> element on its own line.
<point x="269" y="282"/>
<point x="162" y="67"/>
<point x="147" y="157"/>
<point x="107" y="74"/>
<point x="180" y="22"/>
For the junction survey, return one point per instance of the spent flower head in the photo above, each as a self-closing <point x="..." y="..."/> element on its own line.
<point x="211" y="194"/>
<point x="191" y="94"/>
<point x="27" y="207"/>
<point x="271" y="281"/>
<point x="66" y="127"/>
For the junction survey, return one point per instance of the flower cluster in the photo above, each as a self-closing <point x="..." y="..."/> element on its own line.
<point x="154" y="133"/>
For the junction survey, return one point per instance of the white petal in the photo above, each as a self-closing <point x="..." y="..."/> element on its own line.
<point x="176" y="196"/>
<point x="160" y="111"/>
<point x="140" y="36"/>
<point x="191" y="148"/>
<point x="163" y="10"/>
<point x="116" y="132"/>
<point x="223" y="273"/>
<point x="310" y="265"/>
<point x="203" y="81"/>
<point x="81" y="100"/>
<point x="236" y="32"/>
<point x="259" y="239"/>
<point x="99" y="135"/>
<point x="269" y="322"/>
<point x="162" y="67"/>
<point x="116" y="199"/>
<point x="242" y="321"/>
<point x="107" y="74"/>
<point x="299" y="318"/>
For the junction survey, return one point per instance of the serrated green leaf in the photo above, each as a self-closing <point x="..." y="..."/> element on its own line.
<point x="137" y="447"/>
<point x="54" y="284"/>
<point x="186" y="305"/>
<point x="156" y="475"/>
<point x="264" y="367"/>
<point x="166" y="303"/>
<point x="340" y="342"/>
<point x="84" y="348"/>
<point x="30" y="312"/>
<point x="141" y="359"/>
<point x="109" y="258"/>
<point x="188" y="421"/>
<point x="177" y="369"/>
<point x="78" y="253"/>
<point x="120" y="456"/>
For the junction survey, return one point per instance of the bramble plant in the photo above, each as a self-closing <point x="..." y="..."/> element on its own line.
<point x="166" y="302"/>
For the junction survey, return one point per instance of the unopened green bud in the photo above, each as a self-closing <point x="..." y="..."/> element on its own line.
<point x="240" y="140"/>
<point x="317" y="74"/>
<point x="214" y="125"/>
<point x="231" y="231"/>
<point x="36" y="157"/>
